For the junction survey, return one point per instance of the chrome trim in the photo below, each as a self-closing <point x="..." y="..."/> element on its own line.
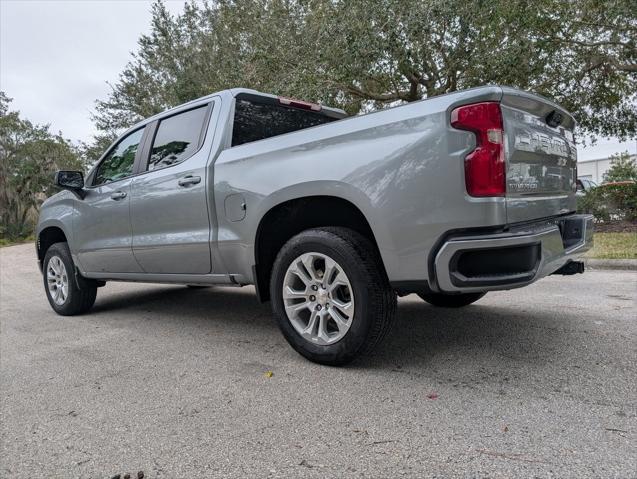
<point x="553" y="254"/>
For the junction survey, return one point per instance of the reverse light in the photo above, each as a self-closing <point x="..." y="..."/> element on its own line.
<point x="485" y="172"/>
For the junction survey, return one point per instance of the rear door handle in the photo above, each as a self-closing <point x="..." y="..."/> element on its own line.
<point x="118" y="195"/>
<point x="189" y="180"/>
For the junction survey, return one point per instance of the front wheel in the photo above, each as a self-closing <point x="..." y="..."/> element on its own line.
<point x="62" y="291"/>
<point x="451" y="300"/>
<point x="330" y="295"/>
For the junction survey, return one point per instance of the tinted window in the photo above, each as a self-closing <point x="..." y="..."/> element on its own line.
<point x="119" y="162"/>
<point x="177" y="138"/>
<point x="258" y="121"/>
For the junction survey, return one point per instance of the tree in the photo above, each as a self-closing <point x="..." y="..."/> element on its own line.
<point x="90" y="152"/>
<point x="363" y="55"/>
<point x="29" y="155"/>
<point x="622" y="168"/>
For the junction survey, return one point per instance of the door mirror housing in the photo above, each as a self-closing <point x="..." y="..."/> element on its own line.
<point x="70" y="180"/>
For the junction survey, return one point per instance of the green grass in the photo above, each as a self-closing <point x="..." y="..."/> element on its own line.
<point x="614" y="246"/>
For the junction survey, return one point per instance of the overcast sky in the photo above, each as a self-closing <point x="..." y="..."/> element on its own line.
<point x="57" y="55"/>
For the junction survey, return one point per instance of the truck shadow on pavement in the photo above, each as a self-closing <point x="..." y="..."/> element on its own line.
<point x="422" y="335"/>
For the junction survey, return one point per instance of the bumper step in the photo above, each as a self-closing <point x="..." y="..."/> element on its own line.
<point x="507" y="260"/>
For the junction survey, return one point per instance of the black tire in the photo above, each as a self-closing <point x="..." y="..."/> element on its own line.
<point x="374" y="298"/>
<point x="451" y="300"/>
<point x="78" y="300"/>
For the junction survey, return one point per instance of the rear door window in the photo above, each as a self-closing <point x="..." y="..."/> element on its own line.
<point x="177" y="138"/>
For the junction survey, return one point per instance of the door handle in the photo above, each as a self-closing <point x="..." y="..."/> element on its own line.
<point x="118" y="195"/>
<point x="189" y="180"/>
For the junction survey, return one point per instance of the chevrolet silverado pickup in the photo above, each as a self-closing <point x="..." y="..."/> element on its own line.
<point x="329" y="217"/>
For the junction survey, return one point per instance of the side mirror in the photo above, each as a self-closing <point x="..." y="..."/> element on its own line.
<point x="70" y="180"/>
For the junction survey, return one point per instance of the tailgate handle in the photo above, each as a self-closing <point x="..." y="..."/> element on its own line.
<point x="553" y="119"/>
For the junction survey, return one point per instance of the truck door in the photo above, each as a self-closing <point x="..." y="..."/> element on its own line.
<point x="101" y="225"/>
<point x="169" y="208"/>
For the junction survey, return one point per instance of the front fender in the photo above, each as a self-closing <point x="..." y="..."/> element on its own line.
<point x="58" y="212"/>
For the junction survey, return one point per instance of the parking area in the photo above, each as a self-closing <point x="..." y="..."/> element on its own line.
<point x="174" y="382"/>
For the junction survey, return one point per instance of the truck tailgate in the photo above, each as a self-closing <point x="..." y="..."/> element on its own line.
<point x="541" y="157"/>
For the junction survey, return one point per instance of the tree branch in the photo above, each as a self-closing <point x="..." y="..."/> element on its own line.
<point x="589" y="44"/>
<point x="382" y="97"/>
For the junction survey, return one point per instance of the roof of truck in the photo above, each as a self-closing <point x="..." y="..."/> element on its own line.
<point x="228" y="94"/>
<point x="232" y="92"/>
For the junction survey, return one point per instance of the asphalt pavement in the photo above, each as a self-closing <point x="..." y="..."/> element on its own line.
<point x="184" y="383"/>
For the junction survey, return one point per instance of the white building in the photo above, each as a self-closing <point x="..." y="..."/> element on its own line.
<point x="594" y="169"/>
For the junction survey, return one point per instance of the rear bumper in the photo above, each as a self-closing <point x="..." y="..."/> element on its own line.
<point x="512" y="259"/>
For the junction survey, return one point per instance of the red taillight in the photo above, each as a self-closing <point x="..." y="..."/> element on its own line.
<point x="305" y="105"/>
<point x="484" y="167"/>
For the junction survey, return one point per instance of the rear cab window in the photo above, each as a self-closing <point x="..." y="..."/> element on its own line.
<point x="259" y="117"/>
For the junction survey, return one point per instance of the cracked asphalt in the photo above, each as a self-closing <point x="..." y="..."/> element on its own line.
<point x="538" y="382"/>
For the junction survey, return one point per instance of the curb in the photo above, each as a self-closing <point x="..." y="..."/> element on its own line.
<point x="613" y="264"/>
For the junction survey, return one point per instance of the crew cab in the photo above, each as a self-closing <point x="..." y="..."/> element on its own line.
<point x="329" y="217"/>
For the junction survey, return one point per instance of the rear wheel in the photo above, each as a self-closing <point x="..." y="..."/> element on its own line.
<point x="62" y="291"/>
<point x="451" y="300"/>
<point x="330" y="295"/>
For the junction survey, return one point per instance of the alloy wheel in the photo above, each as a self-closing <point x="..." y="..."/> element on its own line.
<point x="57" y="280"/>
<point x="318" y="298"/>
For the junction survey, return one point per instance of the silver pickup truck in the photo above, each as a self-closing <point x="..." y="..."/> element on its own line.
<point x="330" y="217"/>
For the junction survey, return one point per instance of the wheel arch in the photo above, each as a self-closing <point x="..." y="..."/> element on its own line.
<point x="46" y="237"/>
<point x="288" y="218"/>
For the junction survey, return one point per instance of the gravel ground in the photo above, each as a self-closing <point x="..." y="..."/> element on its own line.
<point x="539" y="382"/>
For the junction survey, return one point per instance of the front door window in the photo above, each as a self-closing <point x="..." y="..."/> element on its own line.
<point x="118" y="164"/>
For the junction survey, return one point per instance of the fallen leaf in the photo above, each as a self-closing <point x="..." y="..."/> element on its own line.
<point x="432" y="396"/>
<point x="505" y="429"/>
<point x="268" y="374"/>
